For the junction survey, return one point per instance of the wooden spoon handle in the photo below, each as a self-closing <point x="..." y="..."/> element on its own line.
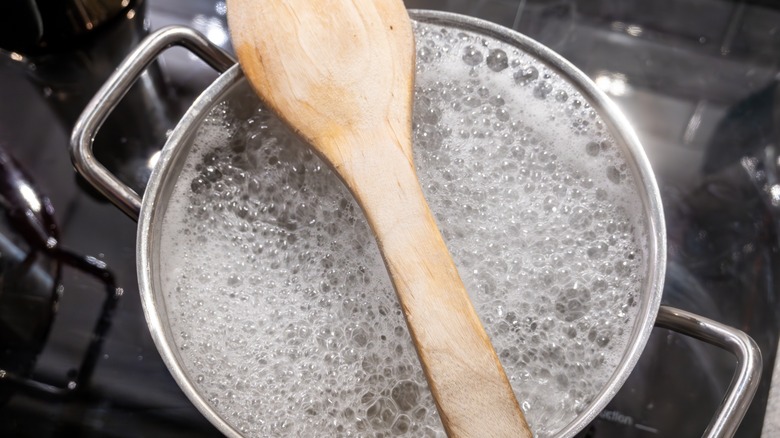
<point x="472" y="392"/>
<point x="340" y="73"/>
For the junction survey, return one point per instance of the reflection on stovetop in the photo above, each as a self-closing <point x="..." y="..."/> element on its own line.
<point x="697" y="79"/>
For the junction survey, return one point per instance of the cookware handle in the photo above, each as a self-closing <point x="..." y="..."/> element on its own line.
<point x="114" y="90"/>
<point x="745" y="381"/>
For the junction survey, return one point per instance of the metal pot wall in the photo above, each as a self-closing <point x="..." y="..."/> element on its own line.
<point x="149" y="214"/>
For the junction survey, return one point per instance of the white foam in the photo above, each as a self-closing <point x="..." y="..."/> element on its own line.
<point x="279" y="303"/>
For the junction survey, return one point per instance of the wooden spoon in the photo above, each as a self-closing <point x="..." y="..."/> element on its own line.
<point x="340" y="73"/>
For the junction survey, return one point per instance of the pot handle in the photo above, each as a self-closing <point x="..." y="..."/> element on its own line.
<point x="745" y="381"/>
<point x="114" y="90"/>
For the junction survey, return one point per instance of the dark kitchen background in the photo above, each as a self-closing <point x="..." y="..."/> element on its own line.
<point x="698" y="79"/>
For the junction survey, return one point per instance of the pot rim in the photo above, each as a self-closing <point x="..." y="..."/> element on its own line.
<point x="160" y="185"/>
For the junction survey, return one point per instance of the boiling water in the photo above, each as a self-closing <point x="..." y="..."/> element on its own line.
<point x="280" y="306"/>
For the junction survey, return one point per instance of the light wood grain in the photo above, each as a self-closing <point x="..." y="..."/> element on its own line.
<point x="340" y="73"/>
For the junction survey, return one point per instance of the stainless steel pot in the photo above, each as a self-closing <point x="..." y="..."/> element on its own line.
<point x="148" y="213"/>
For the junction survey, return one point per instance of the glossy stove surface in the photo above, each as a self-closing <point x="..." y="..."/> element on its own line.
<point x="698" y="79"/>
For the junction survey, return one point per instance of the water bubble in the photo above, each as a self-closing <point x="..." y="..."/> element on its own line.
<point x="526" y="75"/>
<point x="472" y="102"/>
<point x="431" y="116"/>
<point x="198" y="185"/>
<point x="405" y="395"/>
<point x="562" y="380"/>
<point x="211" y="174"/>
<point x="234" y="280"/>
<point x="497" y="60"/>
<point x="613" y="174"/>
<point x="543" y="90"/>
<point x="472" y="56"/>
<point x="592" y="148"/>
<point x="623" y="268"/>
<point x="496" y="100"/>
<point x="401" y="425"/>
<point x="580" y="218"/>
<point x="424" y="54"/>
<point x="573" y="303"/>
<point x="598" y="251"/>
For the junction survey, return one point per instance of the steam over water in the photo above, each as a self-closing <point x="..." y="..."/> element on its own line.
<point x="280" y="306"/>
